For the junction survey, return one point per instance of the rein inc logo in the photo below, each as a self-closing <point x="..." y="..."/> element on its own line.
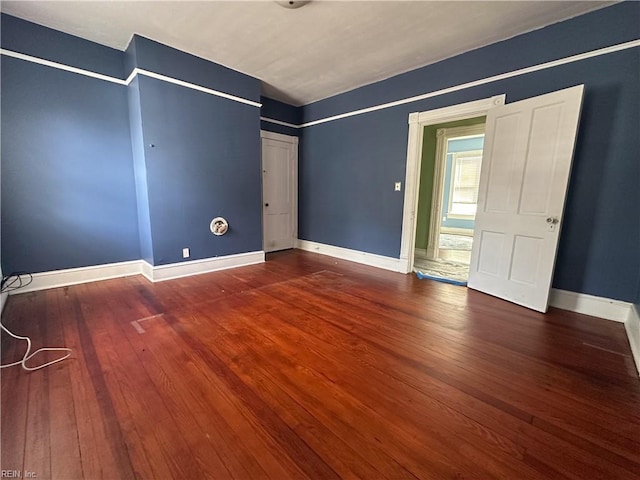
<point x="17" y="474"/>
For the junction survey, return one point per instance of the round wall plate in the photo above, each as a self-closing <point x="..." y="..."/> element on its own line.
<point x="219" y="226"/>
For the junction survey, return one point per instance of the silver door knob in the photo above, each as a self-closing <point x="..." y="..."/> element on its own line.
<point x="552" y="220"/>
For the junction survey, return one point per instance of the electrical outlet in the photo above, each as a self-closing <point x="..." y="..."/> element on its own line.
<point x="398" y="186"/>
<point x="185" y="253"/>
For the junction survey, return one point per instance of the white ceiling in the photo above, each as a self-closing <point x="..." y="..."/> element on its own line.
<point x="310" y="53"/>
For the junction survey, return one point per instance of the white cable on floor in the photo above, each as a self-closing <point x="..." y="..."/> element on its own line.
<point x="28" y="355"/>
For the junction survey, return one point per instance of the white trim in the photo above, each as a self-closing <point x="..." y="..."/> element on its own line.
<point x="444" y="91"/>
<point x="279" y="122"/>
<point x="279" y="137"/>
<point x="417" y="122"/>
<point x="437" y="194"/>
<point x="467" y="232"/>
<point x="60" y="66"/>
<point x="193" y="86"/>
<point x="482" y="81"/>
<point x="3" y="301"/>
<point x="632" y="326"/>
<point x="371" y="259"/>
<point x="95" y="273"/>
<point x="75" y="276"/>
<point x="420" y="252"/>
<point x="146" y="269"/>
<point x="601" y="307"/>
<point x="135" y="72"/>
<point x="291" y="140"/>
<point x="197" y="267"/>
<point x="443" y="135"/>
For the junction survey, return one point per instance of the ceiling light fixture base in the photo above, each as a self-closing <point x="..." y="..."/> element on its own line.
<point x="291" y="4"/>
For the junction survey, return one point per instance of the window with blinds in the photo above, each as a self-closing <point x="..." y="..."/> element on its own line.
<point x="465" y="180"/>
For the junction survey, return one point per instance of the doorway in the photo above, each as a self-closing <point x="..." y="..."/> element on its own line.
<point x="279" y="191"/>
<point x="523" y="187"/>
<point x="447" y="198"/>
<point x="417" y="123"/>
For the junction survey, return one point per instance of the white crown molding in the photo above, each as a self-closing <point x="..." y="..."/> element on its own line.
<point x="134" y="73"/>
<point x="482" y="81"/>
<point x="60" y="66"/>
<point x="632" y="326"/>
<point x="279" y="122"/>
<point x="193" y="86"/>
<point x="371" y="259"/>
<point x="416" y="98"/>
<point x="197" y="267"/>
<point x="601" y="307"/>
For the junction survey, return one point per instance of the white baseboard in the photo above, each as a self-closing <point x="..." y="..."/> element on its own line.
<point x="632" y="326"/>
<point x="75" y="276"/>
<point x="197" y="267"/>
<point x="601" y="307"/>
<point x="420" y="252"/>
<point x="146" y="269"/>
<point x="380" y="261"/>
<point x="3" y="300"/>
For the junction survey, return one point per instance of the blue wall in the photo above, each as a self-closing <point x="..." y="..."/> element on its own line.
<point x="205" y="163"/>
<point x="159" y="58"/>
<point x="283" y="112"/>
<point x="68" y="195"/>
<point x="199" y="156"/>
<point x="140" y="172"/>
<point x="75" y="149"/>
<point x="81" y="184"/>
<point x="31" y="39"/>
<point x="348" y="166"/>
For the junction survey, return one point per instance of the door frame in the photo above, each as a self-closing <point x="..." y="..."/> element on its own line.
<point x="435" y="222"/>
<point x="417" y="122"/>
<point x="290" y="139"/>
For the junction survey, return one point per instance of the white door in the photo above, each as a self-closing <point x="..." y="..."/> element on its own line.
<point x="279" y="190"/>
<point x="525" y="171"/>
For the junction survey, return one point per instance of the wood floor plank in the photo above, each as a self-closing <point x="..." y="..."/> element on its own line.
<point x="15" y="385"/>
<point x="65" y="448"/>
<point x="89" y="393"/>
<point x="312" y="367"/>
<point x="235" y="435"/>
<point x="156" y="442"/>
<point x="332" y="443"/>
<point x="495" y="374"/>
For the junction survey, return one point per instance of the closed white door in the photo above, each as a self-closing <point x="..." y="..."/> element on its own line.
<point x="279" y="190"/>
<point x="527" y="159"/>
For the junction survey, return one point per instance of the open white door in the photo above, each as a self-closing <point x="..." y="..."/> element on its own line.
<point x="525" y="171"/>
<point x="279" y="190"/>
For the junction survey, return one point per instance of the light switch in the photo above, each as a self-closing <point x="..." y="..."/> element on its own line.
<point x="398" y="186"/>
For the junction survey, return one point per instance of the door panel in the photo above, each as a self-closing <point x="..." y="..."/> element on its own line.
<point x="526" y="164"/>
<point x="499" y="185"/>
<point x="279" y="167"/>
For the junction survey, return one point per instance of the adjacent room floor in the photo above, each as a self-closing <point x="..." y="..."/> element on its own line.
<point x="312" y="367"/>
<point x="454" y="256"/>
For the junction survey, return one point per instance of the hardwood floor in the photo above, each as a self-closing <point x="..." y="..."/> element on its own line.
<point x="312" y="367"/>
